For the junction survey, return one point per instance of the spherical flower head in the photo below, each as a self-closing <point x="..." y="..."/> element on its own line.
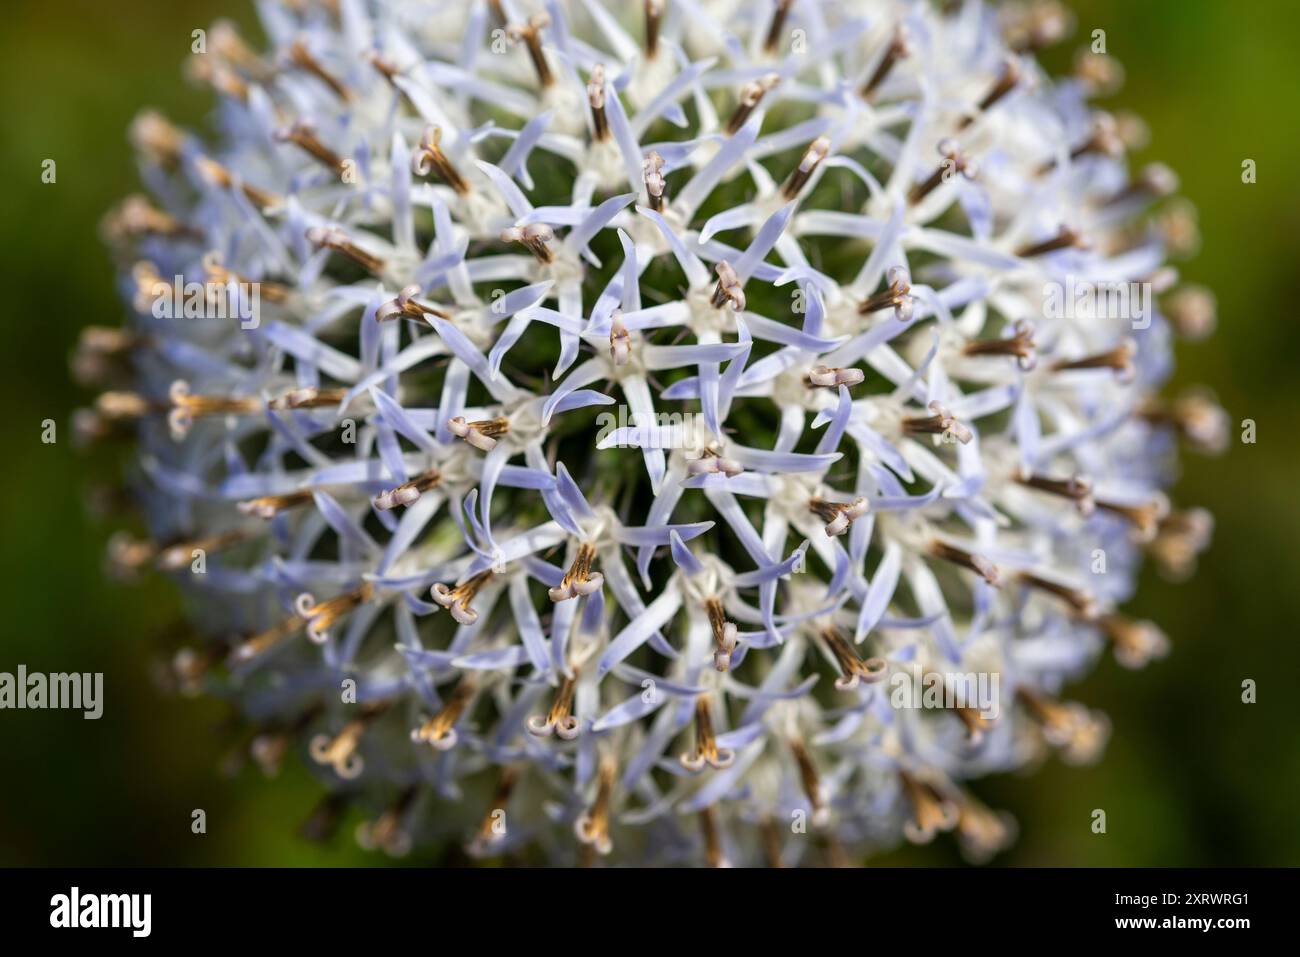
<point x="708" y="432"/>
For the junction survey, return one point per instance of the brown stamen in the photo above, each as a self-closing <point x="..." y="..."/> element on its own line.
<point x="838" y="516"/>
<point x="310" y="397"/>
<point x="1076" y="731"/>
<point x="826" y="377"/>
<point x="972" y="561"/>
<point x="560" y="719"/>
<point x="1103" y="140"/>
<point x="440" y="731"/>
<point x="813" y="157"/>
<point x="321" y="615"/>
<point x="580" y="580"/>
<point x="1180" y="538"/>
<point x="654" y="14"/>
<point x="774" y="29"/>
<point x="897" y="295"/>
<point x="751" y="95"/>
<point x="302" y="58"/>
<point x="492" y="830"/>
<point x="931" y="811"/>
<point x="181" y="554"/>
<point x="136" y="217"/>
<point x="1144" y="517"/>
<point x="592" y="826"/>
<point x="1120" y="358"/>
<point x="531" y="34"/>
<point x="219" y="176"/>
<point x="332" y="237"/>
<point x="154" y="135"/>
<point x="303" y="135"/>
<point x="1008" y="78"/>
<point x="408" y="492"/>
<point x="340" y="751"/>
<point x="482" y="433"/>
<point x="1067" y="237"/>
<point x="216" y="273"/>
<point x="388" y="831"/>
<point x="1134" y="643"/>
<point x="187" y="407"/>
<point x="729" y="289"/>
<point x="706" y="745"/>
<point x="457" y="600"/>
<point x="596" y="94"/>
<point x="853" y="669"/>
<point x="269" y="506"/>
<point x="654" y="180"/>
<point x="812" y="786"/>
<point x="725" y="633"/>
<point x="713" y="856"/>
<point x="620" y="340"/>
<point x="940" y="422"/>
<point x="429" y="157"/>
<point x="535" y="237"/>
<point x="406" y="306"/>
<point x="1195" y="416"/>
<point x="1076" y="489"/>
<point x="770" y="835"/>
<point x="1020" y="344"/>
<point x="954" y="162"/>
<point x="265" y="640"/>
<point x="1079" y="601"/>
<point x="899" y="47"/>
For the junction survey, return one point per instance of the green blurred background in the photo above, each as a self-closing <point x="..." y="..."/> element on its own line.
<point x="1192" y="776"/>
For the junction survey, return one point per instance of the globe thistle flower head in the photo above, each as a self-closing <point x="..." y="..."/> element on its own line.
<point x="680" y="431"/>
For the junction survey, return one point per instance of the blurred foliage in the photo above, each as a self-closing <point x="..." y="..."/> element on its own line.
<point x="1192" y="775"/>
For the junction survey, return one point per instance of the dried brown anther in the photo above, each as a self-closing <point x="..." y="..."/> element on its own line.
<point x="580" y="580"/>
<point x="457" y="600"/>
<point x="853" y="670"/>
<point x="955" y="162"/>
<point x="706" y="749"/>
<point x="303" y="135"/>
<point x="1120" y="359"/>
<point x="653" y="168"/>
<point x="751" y="95"/>
<point x="838" y="516"/>
<point x="897" y="295"/>
<point x="812" y="158"/>
<point x="440" y="730"/>
<point x="940" y="422"/>
<point x="320" y="616"/>
<point x="728" y="290"/>
<point x="531" y="35"/>
<point x="482" y="433"/>
<point x="430" y="158"/>
<point x="332" y="237"/>
<point x="535" y="237"/>
<point x="302" y="58"/>
<point x="899" y="47"/>
<point x="725" y="633"/>
<point x="186" y="407"/>
<point x="1019" y="344"/>
<point x="1007" y="80"/>
<point x="592" y="826"/>
<point x="408" y="492"/>
<point x="1076" y="488"/>
<point x="269" y="506"/>
<point x="559" y="720"/>
<point x="972" y="561"/>
<point x="1067" y="237"/>
<point x="596" y="94"/>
